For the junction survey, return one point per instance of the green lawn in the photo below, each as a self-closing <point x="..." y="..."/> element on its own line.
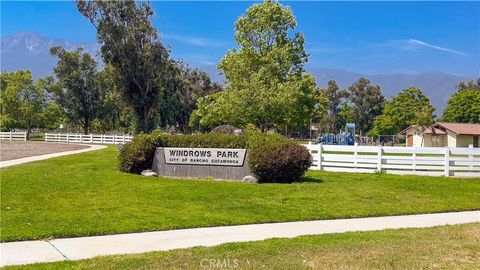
<point x="447" y="247"/>
<point x="84" y="194"/>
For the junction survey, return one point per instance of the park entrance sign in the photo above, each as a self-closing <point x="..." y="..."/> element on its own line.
<point x="205" y="156"/>
<point x="217" y="163"/>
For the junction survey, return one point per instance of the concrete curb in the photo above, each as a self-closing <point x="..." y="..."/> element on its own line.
<point x="25" y="252"/>
<point x="92" y="147"/>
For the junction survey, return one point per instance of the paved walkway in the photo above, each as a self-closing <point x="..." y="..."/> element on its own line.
<point x="91" y="147"/>
<point x="25" y="252"/>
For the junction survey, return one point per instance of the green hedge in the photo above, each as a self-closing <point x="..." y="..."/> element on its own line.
<point x="272" y="157"/>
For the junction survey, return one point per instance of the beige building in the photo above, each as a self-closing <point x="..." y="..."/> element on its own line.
<point x="443" y="134"/>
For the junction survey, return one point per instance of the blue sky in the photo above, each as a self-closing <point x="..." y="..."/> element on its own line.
<point x="365" y="37"/>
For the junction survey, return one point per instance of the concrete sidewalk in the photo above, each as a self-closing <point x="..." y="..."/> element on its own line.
<point x="25" y="252"/>
<point x="92" y="147"/>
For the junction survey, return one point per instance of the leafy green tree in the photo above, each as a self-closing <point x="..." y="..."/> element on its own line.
<point x="345" y="115"/>
<point x="11" y="83"/>
<point x="22" y="101"/>
<point x="265" y="80"/>
<point x="114" y="112"/>
<point x="409" y="107"/>
<point x="53" y="115"/>
<point x="319" y="114"/>
<point x="185" y="87"/>
<point x="334" y="96"/>
<point x="131" y="45"/>
<point x="214" y="110"/>
<point x="78" y="90"/>
<point x="367" y="103"/>
<point x="463" y="107"/>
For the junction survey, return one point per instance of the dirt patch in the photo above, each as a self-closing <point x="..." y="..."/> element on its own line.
<point x="15" y="150"/>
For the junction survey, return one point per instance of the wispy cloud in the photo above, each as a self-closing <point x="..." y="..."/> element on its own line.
<point x="414" y="44"/>
<point x="193" y="40"/>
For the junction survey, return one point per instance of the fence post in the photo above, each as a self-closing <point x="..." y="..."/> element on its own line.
<point x="67" y="138"/>
<point x="414" y="156"/>
<point x="10" y="135"/>
<point x="319" y="156"/>
<point x="447" y="161"/>
<point x="355" y="154"/>
<point x="123" y="139"/>
<point x="470" y="156"/>
<point x="379" y="159"/>
<point x="101" y="138"/>
<point x="91" y="138"/>
<point x="25" y="136"/>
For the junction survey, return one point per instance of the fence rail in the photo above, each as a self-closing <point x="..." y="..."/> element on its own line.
<point x="435" y="161"/>
<point x="90" y="138"/>
<point x="13" y="136"/>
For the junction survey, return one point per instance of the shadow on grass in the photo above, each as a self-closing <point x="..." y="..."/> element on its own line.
<point x="309" y="179"/>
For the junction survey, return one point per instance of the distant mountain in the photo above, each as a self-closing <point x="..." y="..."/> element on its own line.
<point x="31" y="51"/>
<point x="436" y="85"/>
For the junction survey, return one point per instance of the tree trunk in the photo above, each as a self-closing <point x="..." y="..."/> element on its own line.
<point x="86" y="126"/>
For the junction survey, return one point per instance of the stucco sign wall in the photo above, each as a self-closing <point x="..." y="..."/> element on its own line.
<point x="205" y="156"/>
<point x="217" y="163"/>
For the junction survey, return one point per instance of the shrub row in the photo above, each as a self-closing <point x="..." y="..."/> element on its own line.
<point x="137" y="155"/>
<point x="272" y="157"/>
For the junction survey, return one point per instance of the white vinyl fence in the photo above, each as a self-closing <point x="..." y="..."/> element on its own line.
<point x="90" y="138"/>
<point x="13" y="136"/>
<point x="435" y="161"/>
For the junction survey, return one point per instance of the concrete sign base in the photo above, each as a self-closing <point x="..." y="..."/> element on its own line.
<point x="164" y="167"/>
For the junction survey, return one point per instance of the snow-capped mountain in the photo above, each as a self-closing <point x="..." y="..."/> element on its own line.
<point x="31" y="51"/>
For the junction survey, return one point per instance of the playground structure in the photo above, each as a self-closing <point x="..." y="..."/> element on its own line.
<point x="346" y="137"/>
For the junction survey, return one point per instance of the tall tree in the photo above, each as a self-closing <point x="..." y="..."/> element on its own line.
<point x="78" y="89"/>
<point x="409" y="107"/>
<point x="463" y="107"/>
<point x="184" y="87"/>
<point x="11" y="83"/>
<point x="367" y="102"/>
<point x="335" y="96"/>
<point x="345" y="115"/>
<point x="53" y="115"/>
<point x="115" y="113"/>
<point x="131" y="45"/>
<point x="321" y="106"/>
<point x="265" y="80"/>
<point x="22" y="101"/>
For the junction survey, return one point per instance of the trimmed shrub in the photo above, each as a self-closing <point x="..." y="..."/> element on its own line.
<point x="272" y="157"/>
<point x="205" y="141"/>
<point x="278" y="160"/>
<point x="138" y="154"/>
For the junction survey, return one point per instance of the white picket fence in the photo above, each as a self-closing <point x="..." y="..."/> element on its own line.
<point x="90" y="138"/>
<point x="435" y="161"/>
<point x="13" y="136"/>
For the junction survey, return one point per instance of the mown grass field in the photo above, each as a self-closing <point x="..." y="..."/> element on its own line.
<point x="84" y="194"/>
<point x="447" y="247"/>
